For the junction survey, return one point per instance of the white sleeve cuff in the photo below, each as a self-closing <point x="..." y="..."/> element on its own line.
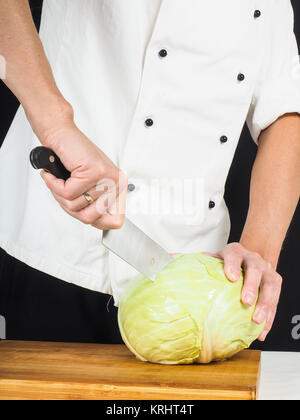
<point x="277" y="97"/>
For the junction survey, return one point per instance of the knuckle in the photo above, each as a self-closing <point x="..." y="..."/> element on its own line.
<point x="70" y="206"/>
<point x="269" y="266"/>
<point x="117" y="222"/>
<point x="269" y="282"/>
<point x="274" y="281"/>
<point x="255" y="260"/>
<point x="254" y="266"/>
<point x="252" y="288"/>
<point x="263" y="306"/>
<point x="268" y="327"/>
<point x="99" y="173"/>
<point x="98" y="225"/>
<point x="68" y="195"/>
<point x="86" y="219"/>
<point x="256" y="255"/>
<point x="235" y="247"/>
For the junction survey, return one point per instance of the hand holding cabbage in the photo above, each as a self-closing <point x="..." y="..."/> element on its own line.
<point x="191" y="314"/>
<point x="259" y="277"/>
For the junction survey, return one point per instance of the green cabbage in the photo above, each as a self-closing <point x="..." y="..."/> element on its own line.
<point x="191" y="314"/>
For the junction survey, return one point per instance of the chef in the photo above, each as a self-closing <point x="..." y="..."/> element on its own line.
<point x="144" y="101"/>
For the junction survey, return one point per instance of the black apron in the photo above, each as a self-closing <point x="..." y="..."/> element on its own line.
<point x="39" y="307"/>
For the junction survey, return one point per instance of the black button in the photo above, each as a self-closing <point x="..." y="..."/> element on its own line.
<point x="149" y="122"/>
<point x="212" y="205"/>
<point x="241" y="77"/>
<point x="257" y="14"/>
<point x="224" y="139"/>
<point x="131" y="187"/>
<point x="163" y="53"/>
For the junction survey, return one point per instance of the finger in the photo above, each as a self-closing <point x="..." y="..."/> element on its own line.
<point x="72" y="206"/>
<point x="268" y="299"/>
<point x="53" y="183"/>
<point x="268" y="327"/>
<point x="69" y="189"/>
<point x="80" y="202"/>
<point x="118" y="206"/>
<point x="88" y="215"/>
<point x="252" y="279"/>
<point x="114" y="217"/>
<point x="233" y="257"/>
<point x="106" y="202"/>
<point x="109" y="221"/>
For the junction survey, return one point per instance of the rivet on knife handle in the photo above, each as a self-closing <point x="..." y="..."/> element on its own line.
<point x="43" y="158"/>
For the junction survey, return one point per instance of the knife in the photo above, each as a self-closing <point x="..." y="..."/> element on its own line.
<point x="129" y="242"/>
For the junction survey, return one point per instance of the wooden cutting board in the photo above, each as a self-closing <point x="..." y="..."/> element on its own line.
<point x="35" y="370"/>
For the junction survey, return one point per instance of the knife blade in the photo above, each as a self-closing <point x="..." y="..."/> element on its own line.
<point x="136" y="248"/>
<point x="129" y="242"/>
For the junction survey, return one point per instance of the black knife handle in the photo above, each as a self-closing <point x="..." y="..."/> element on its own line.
<point x="43" y="158"/>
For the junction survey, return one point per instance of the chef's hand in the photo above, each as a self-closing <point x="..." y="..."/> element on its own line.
<point x="259" y="277"/>
<point x="92" y="172"/>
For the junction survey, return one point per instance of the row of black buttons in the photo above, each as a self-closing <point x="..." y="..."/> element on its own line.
<point x="162" y="53"/>
<point x="149" y="122"/>
<point x="223" y="139"/>
<point x="241" y="77"/>
<point x="212" y="204"/>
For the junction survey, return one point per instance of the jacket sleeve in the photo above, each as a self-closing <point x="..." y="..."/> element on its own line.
<point x="277" y="90"/>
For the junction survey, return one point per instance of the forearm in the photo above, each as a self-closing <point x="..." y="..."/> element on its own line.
<point x="275" y="188"/>
<point x="28" y="73"/>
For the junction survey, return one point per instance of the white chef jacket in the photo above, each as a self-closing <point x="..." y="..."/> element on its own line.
<point x="223" y="62"/>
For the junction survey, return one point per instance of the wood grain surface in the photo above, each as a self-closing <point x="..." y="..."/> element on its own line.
<point x="40" y="370"/>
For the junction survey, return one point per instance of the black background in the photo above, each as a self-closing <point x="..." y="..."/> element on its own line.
<point x="237" y="193"/>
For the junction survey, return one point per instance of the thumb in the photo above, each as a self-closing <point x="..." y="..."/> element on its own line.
<point x="232" y="266"/>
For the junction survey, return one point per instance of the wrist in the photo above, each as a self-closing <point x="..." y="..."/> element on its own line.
<point x="269" y="250"/>
<point x="48" y="116"/>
